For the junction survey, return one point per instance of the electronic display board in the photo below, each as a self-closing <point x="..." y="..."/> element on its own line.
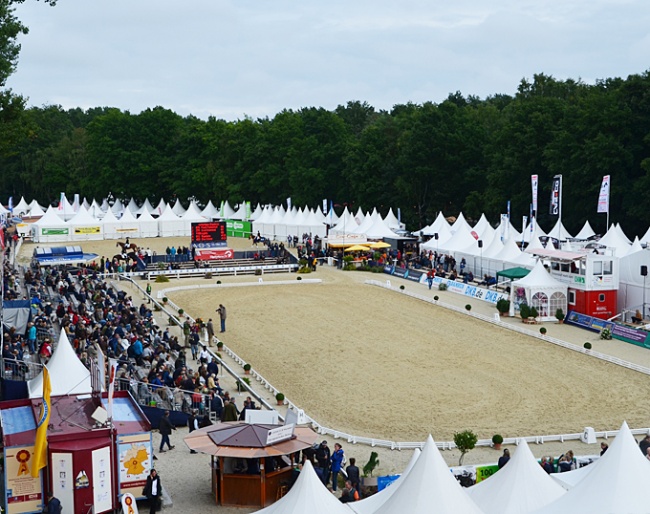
<point x="209" y="232"/>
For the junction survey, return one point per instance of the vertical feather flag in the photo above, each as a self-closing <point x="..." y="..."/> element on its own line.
<point x="40" y="445"/>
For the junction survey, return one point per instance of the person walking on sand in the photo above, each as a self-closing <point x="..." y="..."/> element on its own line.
<point x="165" y="428"/>
<point x="222" y="316"/>
<point x="148" y="292"/>
<point x="210" y="328"/>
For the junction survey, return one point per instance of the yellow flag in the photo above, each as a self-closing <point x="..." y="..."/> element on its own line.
<point x="40" y="445"/>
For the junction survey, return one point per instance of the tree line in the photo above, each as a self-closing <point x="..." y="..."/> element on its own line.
<point x="463" y="154"/>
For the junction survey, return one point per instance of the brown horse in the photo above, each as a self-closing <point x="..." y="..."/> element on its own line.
<point x="124" y="256"/>
<point x="125" y="248"/>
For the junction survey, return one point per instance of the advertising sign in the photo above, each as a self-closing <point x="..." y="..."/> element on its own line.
<point x="54" y="231"/>
<point x="283" y="433"/>
<point x="135" y="453"/>
<point x="237" y="228"/>
<point x="213" y="254"/>
<point x="24" y="493"/>
<point x="102" y="485"/>
<point x="87" y="230"/>
<point x="209" y="232"/>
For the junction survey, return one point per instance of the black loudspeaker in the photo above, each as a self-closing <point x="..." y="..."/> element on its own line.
<point x="480" y="243"/>
<point x="435" y="236"/>
<point x="644" y="271"/>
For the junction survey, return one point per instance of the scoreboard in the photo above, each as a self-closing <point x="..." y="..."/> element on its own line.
<point x="209" y="232"/>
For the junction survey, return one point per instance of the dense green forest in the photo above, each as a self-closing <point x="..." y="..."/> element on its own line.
<point x="463" y="154"/>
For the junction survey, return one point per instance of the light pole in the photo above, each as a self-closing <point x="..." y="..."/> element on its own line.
<point x="644" y="274"/>
<point x="480" y="245"/>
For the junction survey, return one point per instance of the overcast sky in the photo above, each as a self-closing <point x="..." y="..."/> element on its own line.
<point x="232" y="59"/>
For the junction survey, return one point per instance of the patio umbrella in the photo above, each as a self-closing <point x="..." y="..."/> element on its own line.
<point x="357" y="248"/>
<point x="379" y="244"/>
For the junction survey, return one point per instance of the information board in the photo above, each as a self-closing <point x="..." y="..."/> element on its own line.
<point x="209" y="232"/>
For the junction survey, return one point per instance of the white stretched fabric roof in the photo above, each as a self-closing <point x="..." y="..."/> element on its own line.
<point x="520" y="487"/>
<point x="619" y="229"/>
<point x="460" y="223"/>
<point x="370" y="504"/>
<point x="585" y="232"/>
<point x="146" y="206"/>
<point x="436" y="226"/>
<point x="35" y="210"/>
<point x="160" y="208"/>
<point x="51" y="219"/>
<point x="379" y="230"/>
<point x="178" y="208"/>
<point x="559" y="231"/>
<point x="569" y="479"/>
<point x="210" y="211"/>
<point x="460" y="240"/>
<point x="494" y="248"/>
<point x="392" y="221"/>
<point x="22" y="206"/>
<point x="617" y="484"/>
<point x="540" y="278"/>
<point x="67" y="374"/>
<point x="509" y="251"/>
<point x="444" y="235"/>
<point x="308" y="495"/>
<point x="225" y="211"/>
<point x="429" y="487"/>
<point x="614" y="240"/>
<point x="506" y="230"/>
<point x="83" y="218"/>
<point x="646" y="237"/>
<point x="132" y="206"/>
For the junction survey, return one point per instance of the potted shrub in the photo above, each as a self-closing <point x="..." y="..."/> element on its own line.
<point x="368" y="468"/>
<point x="402" y="287"/>
<point x="220" y="345"/>
<point x="208" y="275"/>
<point x="442" y="286"/>
<point x="559" y="314"/>
<point x="468" y="307"/>
<point x="497" y="441"/>
<point x="218" y="282"/>
<point x="165" y="299"/>
<point x="161" y="278"/>
<point x="247" y="368"/>
<point x="542" y="331"/>
<point x="436" y="298"/>
<point x="503" y="306"/>
<point x="181" y="312"/>
<point x="524" y="311"/>
<point x="533" y="313"/>
<point x="587" y="345"/>
<point x="465" y="441"/>
<point x="298" y="278"/>
<point x="279" y="397"/>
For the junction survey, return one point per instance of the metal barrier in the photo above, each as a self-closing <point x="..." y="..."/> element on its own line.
<point x="14" y="369"/>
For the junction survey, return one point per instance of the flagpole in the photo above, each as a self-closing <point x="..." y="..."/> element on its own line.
<point x="560" y="214"/>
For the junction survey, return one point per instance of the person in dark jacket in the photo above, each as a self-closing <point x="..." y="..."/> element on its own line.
<point x="354" y="475"/>
<point x="503" y="460"/>
<point x="193" y="424"/>
<point x="165" y="427"/>
<point x="153" y="491"/>
<point x="53" y="505"/>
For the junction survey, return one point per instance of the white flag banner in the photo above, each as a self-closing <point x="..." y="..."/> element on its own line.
<point x="111" y="387"/>
<point x="534" y="182"/>
<point x="603" y="197"/>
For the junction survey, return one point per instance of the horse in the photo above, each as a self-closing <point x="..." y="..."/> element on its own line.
<point x="125" y="247"/>
<point x="124" y="256"/>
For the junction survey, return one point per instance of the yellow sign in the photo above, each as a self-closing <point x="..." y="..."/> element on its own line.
<point x="87" y="230"/>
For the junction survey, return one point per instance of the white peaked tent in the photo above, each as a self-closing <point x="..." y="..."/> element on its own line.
<point x="21" y="207"/>
<point x="459" y="240"/>
<point x="370" y="504"/>
<point x="460" y="222"/>
<point x="379" y="230"/>
<point x="585" y="232"/>
<point x="559" y="232"/>
<point x="96" y="210"/>
<point x="366" y="223"/>
<point x="210" y="212"/>
<point x="128" y="225"/>
<point x="50" y="228"/>
<point x="83" y="227"/>
<point x="436" y="226"/>
<point x="346" y="224"/>
<point x="111" y="225"/>
<point x="315" y="222"/>
<point x="147" y="225"/>
<point x="105" y="206"/>
<point x="160" y="208"/>
<point x="484" y="229"/>
<point x="615" y="240"/>
<point x="146" y="206"/>
<point x="67" y="373"/>
<point x="495" y="246"/>
<point x="132" y="206"/>
<point x="35" y="210"/>
<point x="617" y="484"/>
<point x="444" y="235"/>
<point x="619" y="229"/>
<point x="226" y="212"/>
<point x="331" y="218"/>
<point x="259" y="225"/>
<point x="65" y="210"/>
<point x="170" y="225"/>
<point x="308" y="495"/>
<point x="178" y="208"/>
<point x="506" y="230"/>
<point x="542" y="291"/>
<point x="192" y="215"/>
<point x="256" y="213"/>
<point x="429" y="487"/>
<point x="392" y="221"/>
<point x="520" y="487"/>
<point x="240" y="212"/>
<point x="359" y="216"/>
<point x="118" y="208"/>
<point x="569" y="479"/>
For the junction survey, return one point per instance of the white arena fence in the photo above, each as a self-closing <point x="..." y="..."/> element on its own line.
<point x="406" y="445"/>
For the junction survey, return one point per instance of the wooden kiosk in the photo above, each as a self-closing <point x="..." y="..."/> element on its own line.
<point x="252" y="464"/>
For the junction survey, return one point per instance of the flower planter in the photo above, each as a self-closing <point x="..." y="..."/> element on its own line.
<point x="369" y="481"/>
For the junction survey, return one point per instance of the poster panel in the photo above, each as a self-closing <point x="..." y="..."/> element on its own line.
<point x="102" y="483"/>
<point x="23" y="493"/>
<point x="63" y="480"/>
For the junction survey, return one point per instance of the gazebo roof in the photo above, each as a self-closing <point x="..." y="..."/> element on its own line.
<point x="246" y="440"/>
<point x="513" y="273"/>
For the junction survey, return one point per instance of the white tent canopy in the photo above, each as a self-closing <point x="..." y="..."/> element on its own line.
<point x="178" y="208"/>
<point x="308" y="495"/>
<point x="541" y="291"/>
<point x="210" y="212"/>
<point x="616" y="484"/>
<point x="617" y="241"/>
<point x="429" y="483"/>
<point x="370" y="504"/>
<point x="170" y="225"/>
<point x="520" y="487"/>
<point x="585" y="232"/>
<point x="559" y="232"/>
<point x="83" y="227"/>
<point x="50" y="228"/>
<point x="460" y="223"/>
<point x="147" y="225"/>
<point x="68" y="375"/>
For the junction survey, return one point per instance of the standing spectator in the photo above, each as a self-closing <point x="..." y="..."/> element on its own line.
<point x="323" y="457"/>
<point x="644" y="444"/>
<point x="603" y="448"/>
<point x="53" y="505"/>
<point x="222" y="316"/>
<point x="230" y="412"/>
<point x="165" y="427"/>
<point x="354" y="475"/>
<point x="337" y="462"/>
<point x="503" y="460"/>
<point x="193" y="424"/>
<point x="148" y="292"/>
<point x="210" y="328"/>
<point x="153" y="491"/>
<point x="31" y="337"/>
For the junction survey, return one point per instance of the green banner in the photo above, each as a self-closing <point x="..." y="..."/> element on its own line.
<point x="54" y="231"/>
<point x="238" y="228"/>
